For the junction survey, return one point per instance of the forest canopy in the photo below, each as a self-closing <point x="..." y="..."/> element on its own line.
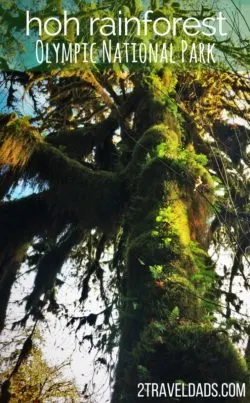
<point x="138" y="178"/>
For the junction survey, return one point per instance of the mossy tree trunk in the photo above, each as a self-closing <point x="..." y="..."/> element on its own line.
<point x="165" y="336"/>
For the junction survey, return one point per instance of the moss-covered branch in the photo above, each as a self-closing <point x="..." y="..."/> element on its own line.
<point x="80" y="142"/>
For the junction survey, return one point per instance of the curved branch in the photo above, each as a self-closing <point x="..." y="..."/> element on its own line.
<point x="95" y="198"/>
<point x="80" y="142"/>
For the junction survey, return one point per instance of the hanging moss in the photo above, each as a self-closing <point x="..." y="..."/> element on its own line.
<point x="49" y="266"/>
<point x="18" y="140"/>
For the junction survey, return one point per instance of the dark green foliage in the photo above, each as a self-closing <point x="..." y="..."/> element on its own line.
<point x="193" y="354"/>
<point x="197" y="354"/>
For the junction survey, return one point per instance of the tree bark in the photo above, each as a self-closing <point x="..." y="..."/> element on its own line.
<point x="163" y="333"/>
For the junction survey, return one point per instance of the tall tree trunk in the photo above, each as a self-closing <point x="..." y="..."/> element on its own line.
<point x="164" y="334"/>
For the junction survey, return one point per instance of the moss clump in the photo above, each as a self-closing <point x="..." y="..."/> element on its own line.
<point x="193" y="166"/>
<point x="174" y="215"/>
<point x="154" y="141"/>
<point x="181" y="292"/>
<point x="18" y="141"/>
<point x="194" y="353"/>
<point x="142" y="253"/>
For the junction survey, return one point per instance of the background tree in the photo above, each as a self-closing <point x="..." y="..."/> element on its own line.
<point x="142" y="165"/>
<point x="29" y="377"/>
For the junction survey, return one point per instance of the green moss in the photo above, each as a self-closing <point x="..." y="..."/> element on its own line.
<point x="161" y="87"/>
<point x="174" y="215"/>
<point x="196" y="354"/>
<point x="143" y="252"/>
<point x="193" y="166"/>
<point x="156" y="141"/>
<point x="187" y="352"/>
<point x="181" y="292"/>
<point x="162" y="262"/>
